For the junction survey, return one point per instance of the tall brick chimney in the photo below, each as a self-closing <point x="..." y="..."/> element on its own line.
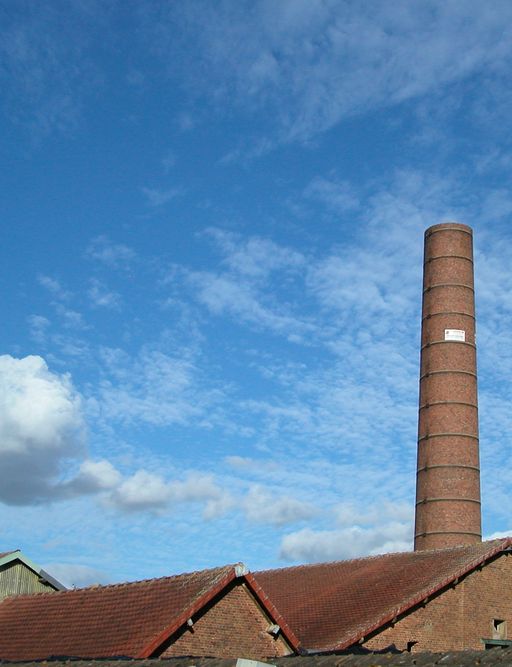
<point x="448" y="472"/>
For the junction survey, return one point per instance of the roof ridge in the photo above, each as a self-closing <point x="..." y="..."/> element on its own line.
<point x="8" y="553"/>
<point x="387" y="555"/>
<point x="125" y="584"/>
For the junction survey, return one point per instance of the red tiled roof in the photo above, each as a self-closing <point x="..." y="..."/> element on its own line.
<point x="119" y="620"/>
<point x="331" y="606"/>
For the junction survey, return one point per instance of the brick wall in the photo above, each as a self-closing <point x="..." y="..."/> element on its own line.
<point x="233" y="626"/>
<point x="458" y="618"/>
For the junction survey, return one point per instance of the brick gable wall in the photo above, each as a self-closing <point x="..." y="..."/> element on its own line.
<point x="459" y="617"/>
<point x="233" y="626"/>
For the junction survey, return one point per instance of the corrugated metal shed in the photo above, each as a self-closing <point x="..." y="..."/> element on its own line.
<point x="19" y="575"/>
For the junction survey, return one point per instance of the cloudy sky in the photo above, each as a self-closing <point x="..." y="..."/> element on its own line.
<point x="212" y="219"/>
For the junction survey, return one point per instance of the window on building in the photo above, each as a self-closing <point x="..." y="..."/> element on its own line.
<point x="499" y="628"/>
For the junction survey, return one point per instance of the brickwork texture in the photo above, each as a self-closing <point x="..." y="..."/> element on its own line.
<point x="231" y="627"/>
<point x="459" y="617"/>
<point x="448" y="477"/>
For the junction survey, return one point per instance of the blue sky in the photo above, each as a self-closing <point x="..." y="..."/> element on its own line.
<point x="212" y="220"/>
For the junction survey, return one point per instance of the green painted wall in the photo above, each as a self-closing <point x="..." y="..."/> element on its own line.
<point x="16" y="578"/>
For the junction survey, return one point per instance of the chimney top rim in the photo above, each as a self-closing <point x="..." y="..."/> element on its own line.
<point x="449" y="225"/>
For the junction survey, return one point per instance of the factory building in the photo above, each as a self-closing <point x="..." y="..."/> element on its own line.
<point x="453" y="592"/>
<point x="219" y="612"/>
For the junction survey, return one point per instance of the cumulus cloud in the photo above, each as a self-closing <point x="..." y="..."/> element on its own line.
<point x="42" y="430"/>
<point x="348" y="514"/>
<point x="93" y="477"/>
<point x="41" y="425"/>
<point x="147" y="491"/>
<point x="314" y="546"/>
<point x="362" y="530"/>
<point x="142" y="491"/>
<point x="261" y="506"/>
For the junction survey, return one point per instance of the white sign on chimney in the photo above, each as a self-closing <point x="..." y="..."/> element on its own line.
<point x="455" y="334"/>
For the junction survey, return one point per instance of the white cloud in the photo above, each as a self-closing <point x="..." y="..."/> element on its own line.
<point x="73" y="575"/>
<point x="255" y="257"/>
<point x="146" y="491"/>
<point x="47" y="71"/>
<point x="498" y="535"/>
<point x="261" y="506"/>
<point x="142" y="491"/>
<point x="222" y="294"/>
<point x="102" y="297"/>
<point x="103" y="250"/>
<point x="155" y="388"/>
<point x="312" y="64"/>
<point x="243" y="289"/>
<point x="93" y="477"/>
<point x="54" y="287"/>
<point x="71" y="319"/>
<point x="339" y="196"/>
<point x="348" y="514"/>
<point x="218" y="506"/>
<point x="251" y="465"/>
<point x="41" y="425"/>
<point x="202" y="488"/>
<point x="313" y="546"/>
<point x="157" y="197"/>
<point x="38" y="327"/>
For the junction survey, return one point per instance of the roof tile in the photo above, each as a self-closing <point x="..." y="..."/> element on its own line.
<point x="330" y="606"/>
<point x="101" y="621"/>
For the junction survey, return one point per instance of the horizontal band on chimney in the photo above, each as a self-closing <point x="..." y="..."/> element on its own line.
<point x="448" y="500"/>
<point x="447" y="370"/>
<point x="431" y="259"/>
<point x="431" y="287"/>
<point x="448" y="295"/>
<point x="448" y="465"/>
<point x="429" y="405"/>
<point x="448" y="532"/>
<point x="448" y="312"/>
<point x="429" y="232"/>
<point x="448" y="342"/>
<point x="448" y="435"/>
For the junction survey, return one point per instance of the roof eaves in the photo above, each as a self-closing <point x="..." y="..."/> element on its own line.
<point x="272" y="611"/>
<point x="8" y="556"/>
<point x="188" y="612"/>
<point x="504" y="545"/>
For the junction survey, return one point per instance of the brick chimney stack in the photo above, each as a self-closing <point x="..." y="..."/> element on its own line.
<point x="448" y="473"/>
